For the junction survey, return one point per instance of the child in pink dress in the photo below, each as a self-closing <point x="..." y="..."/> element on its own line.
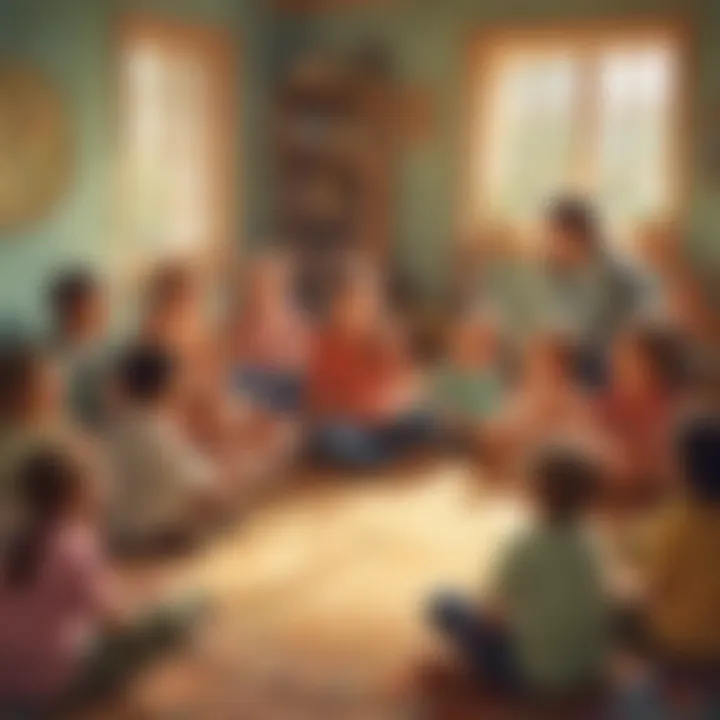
<point x="63" y="632"/>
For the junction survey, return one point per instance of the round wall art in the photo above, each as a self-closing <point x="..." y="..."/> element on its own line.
<point x="35" y="145"/>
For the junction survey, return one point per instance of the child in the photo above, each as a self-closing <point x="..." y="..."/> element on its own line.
<point x="79" y="311"/>
<point x="547" y="403"/>
<point x="363" y="390"/>
<point x="469" y="387"/>
<point x="676" y="615"/>
<point x="645" y="390"/>
<point x="683" y="602"/>
<point x="173" y="308"/>
<point x="544" y="629"/>
<point x="57" y="604"/>
<point x="272" y="339"/>
<point x="31" y="413"/>
<point x="175" y="319"/>
<point x="165" y="487"/>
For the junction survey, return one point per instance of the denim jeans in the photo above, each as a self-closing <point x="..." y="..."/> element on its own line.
<point x="350" y="444"/>
<point x="483" y="646"/>
<point x="274" y="390"/>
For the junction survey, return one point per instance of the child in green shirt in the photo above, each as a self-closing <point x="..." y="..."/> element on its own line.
<point x="468" y="386"/>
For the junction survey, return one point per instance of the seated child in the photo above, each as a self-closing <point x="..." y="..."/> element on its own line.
<point x="165" y="488"/>
<point x="468" y="387"/>
<point x="636" y="413"/>
<point x="175" y="318"/>
<point x="63" y="636"/>
<point x="547" y="403"/>
<point x="544" y="629"/>
<point x="78" y="307"/>
<point x="683" y="596"/>
<point x="173" y="313"/>
<point x="674" y="619"/>
<point x="363" y="390"/>
<point x="31" y="414"/>
<point x="272" y="338"/>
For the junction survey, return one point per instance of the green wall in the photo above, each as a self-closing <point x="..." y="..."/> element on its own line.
<point x="72" y="41"/>
<point x="428" y="40"/>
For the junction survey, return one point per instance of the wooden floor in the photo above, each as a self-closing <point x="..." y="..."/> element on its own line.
<point x="319" y="597"/>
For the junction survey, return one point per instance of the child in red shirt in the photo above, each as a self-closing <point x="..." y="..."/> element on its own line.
<point x="364" y="393"/>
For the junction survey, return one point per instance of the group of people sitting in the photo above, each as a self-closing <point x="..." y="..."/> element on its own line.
<point x="146" y="441"/>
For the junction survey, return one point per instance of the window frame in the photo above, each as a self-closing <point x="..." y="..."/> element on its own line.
<point x="217" y="46"/>
<point x="483" y="48"/>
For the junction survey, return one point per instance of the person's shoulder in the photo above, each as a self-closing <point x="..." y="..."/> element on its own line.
<point x="77" y="544"/>
<point x="525" y="542"/>
<point x="627" y="274"/>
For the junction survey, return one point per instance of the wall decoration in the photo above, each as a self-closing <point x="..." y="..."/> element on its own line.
<point x="35" y="145"/>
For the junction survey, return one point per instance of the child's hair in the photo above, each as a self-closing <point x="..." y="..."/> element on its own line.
<point x="145" y="372"/>
<point x="576" y="216"/>
<point x="562" y="346"/>
<point x="70" y="290"/>
<point x="566" y="478"/>
<point x="168" y="283"/>
<point x="357" y="273"/>
<point x="663" y="351"/>
<point x="48" y="485"/>
<point x="698" y="448"/>
<point x="19" y="368"/>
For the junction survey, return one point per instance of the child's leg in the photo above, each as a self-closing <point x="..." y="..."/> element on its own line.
<point x="350" y="445"/>
<point x="119" y="656"/>
<point x="415" y="428"/>
<point x="592" y="369"/>
<point x="411" y="430"/>
<point x="273" y="390"/>
<point x="482" y="645"/>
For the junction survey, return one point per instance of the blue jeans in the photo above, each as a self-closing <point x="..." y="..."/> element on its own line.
<point x="351" y="444"/>
<point x="274" y="390"/>
<point x="592" y="369"/>
<point x="483" y="646"/>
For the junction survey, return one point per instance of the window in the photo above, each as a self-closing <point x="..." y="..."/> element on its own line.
<point x="593" y="112"/>
<point x="175" y="144"/>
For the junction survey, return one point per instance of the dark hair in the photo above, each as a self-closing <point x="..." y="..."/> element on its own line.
<point x="47" y="484"/>
<point x="577" y="216"/>
<point x="168" y="283"/>
<point x="19" y="365"/>
<point x="664" y="351"/>
<point x="563" y="346"/>
<point x="698" y="449"/>
<point x="145" y="372"/>
<point x="566" y="479"/>
<point x="70" y="290"/>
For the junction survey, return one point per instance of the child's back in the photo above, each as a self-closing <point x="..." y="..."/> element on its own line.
<point x="684" y="583"/>
<point x="160" y="475"/>
<point x="53" y="580"/>
<point x="43" y="625"/>
<point x="684" y="613"/>
<point x="551" y="583"/>
<point x="544" y="629"/>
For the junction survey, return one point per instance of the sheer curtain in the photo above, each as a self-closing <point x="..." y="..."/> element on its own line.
<point x="174" y="155"/>
<point x="595" y="115"/>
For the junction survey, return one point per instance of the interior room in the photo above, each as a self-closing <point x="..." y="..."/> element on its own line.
<point x="346" y="290"/>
